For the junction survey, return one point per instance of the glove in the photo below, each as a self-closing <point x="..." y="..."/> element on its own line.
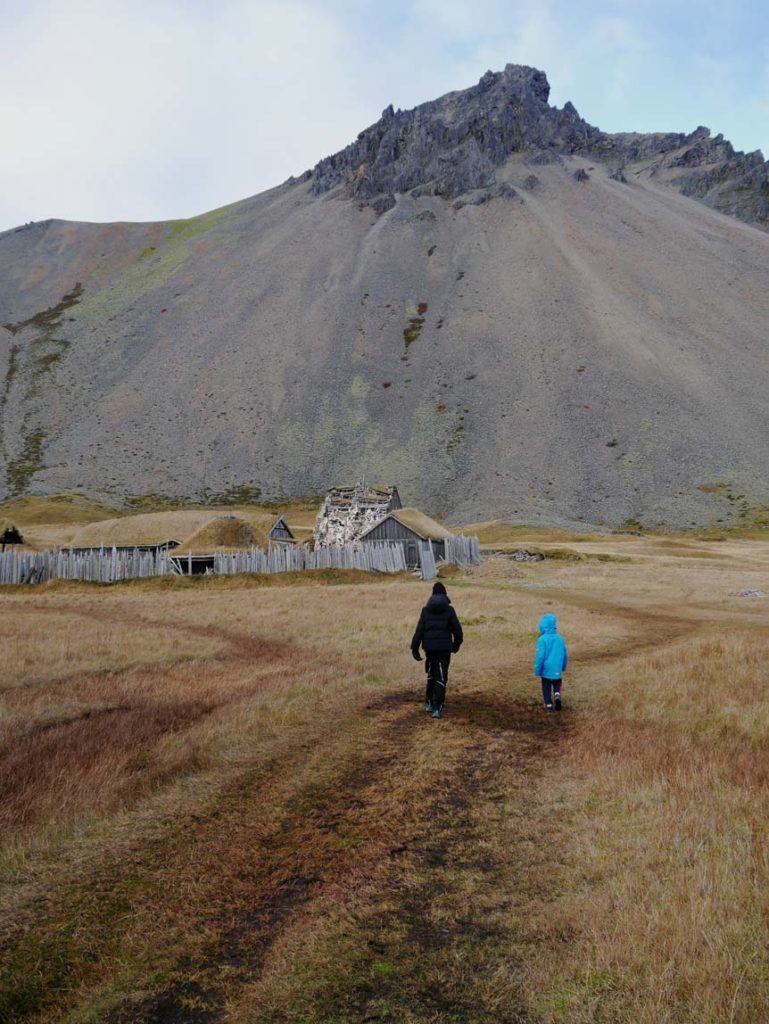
<point x="415" y="654"/>
<point x="455" y="647"/>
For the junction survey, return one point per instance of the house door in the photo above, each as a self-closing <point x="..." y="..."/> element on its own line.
<point x="412" y="554"/>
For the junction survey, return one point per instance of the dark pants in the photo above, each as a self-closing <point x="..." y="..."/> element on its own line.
<point x="549" y="689"/>
<point x="437" y="669"/>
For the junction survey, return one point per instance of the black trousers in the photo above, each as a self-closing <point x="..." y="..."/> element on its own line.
<point x="437" y="669"/>
<point x="550" y="687"/>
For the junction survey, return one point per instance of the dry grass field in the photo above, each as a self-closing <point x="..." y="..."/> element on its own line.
<point x="221" y="800"/>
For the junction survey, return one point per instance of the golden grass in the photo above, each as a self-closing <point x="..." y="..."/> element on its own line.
<point x="222" y="797"/>
<point x="69" y="508"/>
<point x="501" y="532"/>
<point x="48" y="639"/>
<point x="670" y="851"/>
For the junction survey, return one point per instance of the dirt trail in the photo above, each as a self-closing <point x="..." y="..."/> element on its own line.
<point x="374" y="816"/>
<point x="348" y="833"/>
<point x="238" y="645"/>
<point x="400" y="848"/>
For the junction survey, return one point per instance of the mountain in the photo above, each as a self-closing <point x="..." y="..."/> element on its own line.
<point x="484" y="300"/>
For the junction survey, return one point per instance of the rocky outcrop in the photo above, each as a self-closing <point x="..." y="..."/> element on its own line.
<point x="738" y="186"/>
<point x="501" y="191"/>
<point x="455" y="145"/>
<point x="704" y="167"/>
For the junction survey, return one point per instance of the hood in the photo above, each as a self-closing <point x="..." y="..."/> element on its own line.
<point x="548" y="623"/>
<point x="438" y="603"/>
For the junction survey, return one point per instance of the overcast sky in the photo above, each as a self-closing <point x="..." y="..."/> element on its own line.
<point x="154" y="109"/>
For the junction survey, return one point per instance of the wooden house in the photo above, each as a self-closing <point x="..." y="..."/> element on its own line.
<point x="412" y="528"/>
<point x="197" y="555"/>
<point x="9" y="534"/>
<point x="281" y="532"/>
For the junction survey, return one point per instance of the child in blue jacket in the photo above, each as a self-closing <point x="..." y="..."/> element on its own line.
<point x="550" y="661"/>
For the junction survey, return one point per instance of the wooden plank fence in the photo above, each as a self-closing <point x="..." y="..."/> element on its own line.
<point x="96" y="566"/>
<point x="460" y="550"/>
<point x="427" y="558"/>
<point x="101" y="565"/>
<point x="381" y="557"/>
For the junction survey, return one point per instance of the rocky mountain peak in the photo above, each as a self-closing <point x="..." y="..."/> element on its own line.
<point x="454" y="144"/>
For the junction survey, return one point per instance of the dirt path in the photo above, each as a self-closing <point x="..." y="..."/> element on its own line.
<point x="383" y="868"/>
<point x="412" y="808"/>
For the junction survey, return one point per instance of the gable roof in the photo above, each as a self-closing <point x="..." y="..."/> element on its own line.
<point x="281" y="521"/>
<point x="9" y="532"/>
<point x="418" y="521"/>
<point x="224" y="533"/>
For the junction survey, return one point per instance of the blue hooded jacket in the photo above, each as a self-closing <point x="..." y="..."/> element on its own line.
<point x="551" y="659"/>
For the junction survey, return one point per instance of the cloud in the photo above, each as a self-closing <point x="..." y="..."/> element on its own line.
<point x="164" y="108"/>
<point x="143" y="111"/>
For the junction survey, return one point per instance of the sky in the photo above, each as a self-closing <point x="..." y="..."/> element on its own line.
<point x="158" y="109"/>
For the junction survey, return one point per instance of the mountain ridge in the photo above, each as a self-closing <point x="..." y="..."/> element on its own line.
<point x="454" y="144"/>
<point x="556" y="333"/>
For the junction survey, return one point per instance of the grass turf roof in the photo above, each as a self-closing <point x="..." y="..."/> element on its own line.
<point x="145" y="528"/>
<point x="225" y="533"/>
<point x="418" y="521"/>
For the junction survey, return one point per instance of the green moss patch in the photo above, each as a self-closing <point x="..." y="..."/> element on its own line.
<point x="51" y="317"/>
<point x="413" y="328"/>
<point x="457" y="435"/>
<point x="28" y="363"/>
<point x="10" y="373"/>
<point x="30" y="461"/>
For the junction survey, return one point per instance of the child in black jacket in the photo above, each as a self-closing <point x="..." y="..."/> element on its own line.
<point x="439" y="633"/>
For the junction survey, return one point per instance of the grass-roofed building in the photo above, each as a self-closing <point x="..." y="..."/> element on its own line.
<point x="281" y="532"/>
<point x="412" y="528"/>
<point x="9" y="534"/>
<point x="224" y="533"/>
<point x="148" y="531"/>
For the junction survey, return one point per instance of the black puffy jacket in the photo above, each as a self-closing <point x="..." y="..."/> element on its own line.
<point x="438" y="629"/>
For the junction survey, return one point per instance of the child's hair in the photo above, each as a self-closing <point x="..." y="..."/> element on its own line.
<point x="438" y="588"/>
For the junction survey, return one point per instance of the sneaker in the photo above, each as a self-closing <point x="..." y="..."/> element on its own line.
<point x="557" y="700"/>
<point x="549" y="708"/>
<point x="429" y="707"/>
<point x="437" y="713"/>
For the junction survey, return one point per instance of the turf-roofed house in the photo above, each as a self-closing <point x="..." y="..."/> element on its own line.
<point x="9" y="534"/>
<point x="230" y="533"/>
<point x="281" y="532"/>
<point x="413" y="529"/>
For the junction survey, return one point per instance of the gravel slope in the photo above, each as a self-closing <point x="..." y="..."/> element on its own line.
<point x="582" y="350"/>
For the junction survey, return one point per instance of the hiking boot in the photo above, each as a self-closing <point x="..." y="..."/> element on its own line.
<point x="557" y="699"/>
<point x="429" y="707"/>
<point x="437" y="712"/>
<point x="549" y="708"/>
